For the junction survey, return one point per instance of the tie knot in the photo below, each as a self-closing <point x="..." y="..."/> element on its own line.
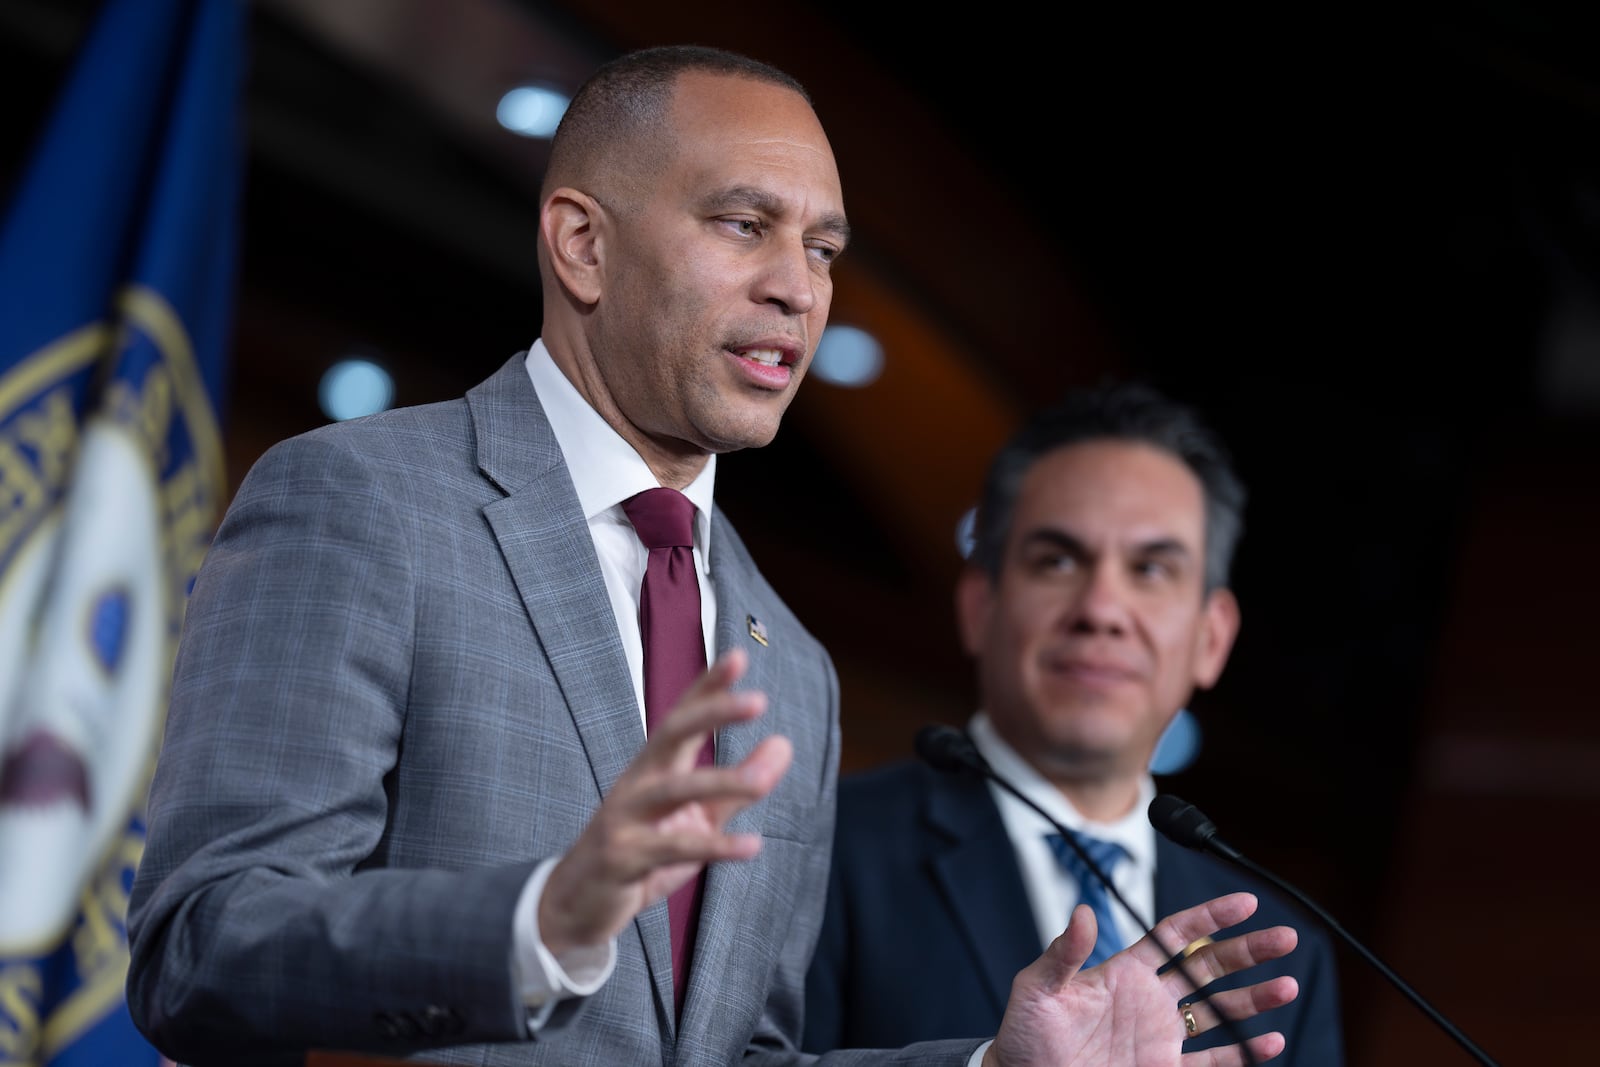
<point x="663" y="518"/>
<point x="1103" y="854"/>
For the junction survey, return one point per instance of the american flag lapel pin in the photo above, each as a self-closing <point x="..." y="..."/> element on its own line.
<point x="758" y="629"/>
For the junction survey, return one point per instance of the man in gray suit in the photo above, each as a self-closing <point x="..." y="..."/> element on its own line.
<point x="406" y="802"/>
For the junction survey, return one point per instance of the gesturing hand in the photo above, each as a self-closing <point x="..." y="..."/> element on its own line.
<point x="1124" y="1014"/>
<point x="664" y="818"/>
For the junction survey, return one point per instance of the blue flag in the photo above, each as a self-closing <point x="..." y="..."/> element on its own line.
<point x="118" y="268"/>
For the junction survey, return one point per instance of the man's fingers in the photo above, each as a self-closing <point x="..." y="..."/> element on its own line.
<point x="1191" y="924"/>
<point x="670" y="819"/>
<point x="1262" y="1049"/>
<point x="723" y="671"/>
<point x="706" y="706"/>
<point x="631" y="851"/>
<point x="664" y="817"/>
<point x="686" y="848"/>
<point x="761" y="771"/>
<point x="721" y="790"/>
<point x="1240" y="1004"/>
<point x="1064" y="957"/>
<point x="1229" y="955"/>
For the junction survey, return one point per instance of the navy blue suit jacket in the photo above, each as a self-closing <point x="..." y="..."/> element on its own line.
<point x="928" y="923"/>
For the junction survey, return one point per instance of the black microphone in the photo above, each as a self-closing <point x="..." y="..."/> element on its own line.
<point x="1184" y="824"/>
<point x="945" y="748"/>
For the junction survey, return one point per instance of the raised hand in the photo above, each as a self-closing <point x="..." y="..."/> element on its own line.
<point x="664" y="818"/>
<point x="1125" y="1014"/>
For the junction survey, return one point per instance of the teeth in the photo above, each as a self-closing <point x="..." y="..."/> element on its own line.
<point x="770" y="357"/>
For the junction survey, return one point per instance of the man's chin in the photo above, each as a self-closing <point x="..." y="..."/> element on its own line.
<point x="736" y="436"/>
<point x="1093" y="740"/>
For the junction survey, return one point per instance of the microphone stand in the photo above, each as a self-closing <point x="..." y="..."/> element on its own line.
<point x="1202" y="837"/>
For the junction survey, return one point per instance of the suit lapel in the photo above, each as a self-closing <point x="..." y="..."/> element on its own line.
<point x="548" y="549"/>
<point x="1170" y="878"/>
<point x="1185" y="878"/>
<point x="550" y="553"/>
<point x="740" y="599"/>
<point x="726" y="905"/>
<point x="971" y="861"/>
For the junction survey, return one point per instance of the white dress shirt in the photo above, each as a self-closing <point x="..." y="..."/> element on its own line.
<point x="1053" y="891"/>
<point x="605" y="471"/>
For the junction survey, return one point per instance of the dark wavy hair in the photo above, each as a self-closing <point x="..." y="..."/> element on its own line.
<point x="1121" y="411"/>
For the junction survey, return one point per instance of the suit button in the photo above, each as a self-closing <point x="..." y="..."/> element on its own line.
<point x="400" y="1024"/>
<point x="438" y="1020"/>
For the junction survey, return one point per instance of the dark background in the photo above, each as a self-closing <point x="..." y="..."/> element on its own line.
<point x="1365" y="241"/>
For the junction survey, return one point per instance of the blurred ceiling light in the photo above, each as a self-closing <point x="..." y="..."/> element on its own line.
<point x="967" y="533"/>
<point x="1179" y="745"/>
<point x="354" y="387"/>
<point x="531" y="110"/>
<point x="848" y="356"/>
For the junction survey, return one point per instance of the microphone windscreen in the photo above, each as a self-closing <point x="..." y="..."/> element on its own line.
<point x="1181" y="822"/>
<point x="944" y="748"/>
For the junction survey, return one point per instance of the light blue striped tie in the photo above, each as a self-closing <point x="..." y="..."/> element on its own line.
<point x="1106" y="855"/>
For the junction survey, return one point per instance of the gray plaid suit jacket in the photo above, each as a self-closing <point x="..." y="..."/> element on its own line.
<point x="399" y="687"/>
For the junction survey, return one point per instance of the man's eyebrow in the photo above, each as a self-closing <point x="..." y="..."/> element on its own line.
<point x="735" y="196"/>
<point x="1162" y="546"/>
<point x="756" y="199"/>
<point x="1059" y="538"/>
<point x="1053" y="536"/>
<point x="836" y="227"/>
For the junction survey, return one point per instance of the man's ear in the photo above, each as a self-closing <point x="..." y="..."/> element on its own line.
<point x="1219" y="625"/>
<point x="570" y="224"/>
<point x="974" y="602"/>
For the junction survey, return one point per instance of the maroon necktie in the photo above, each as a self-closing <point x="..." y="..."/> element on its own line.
<point x="674" y="656"/>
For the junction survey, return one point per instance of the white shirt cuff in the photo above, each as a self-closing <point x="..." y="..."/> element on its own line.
<point x="543" y="979"/>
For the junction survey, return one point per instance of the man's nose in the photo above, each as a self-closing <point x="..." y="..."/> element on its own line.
<point x="789" y="279"/>
<point x="1101" y="603"/>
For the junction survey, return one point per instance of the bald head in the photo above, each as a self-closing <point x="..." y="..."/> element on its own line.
<point x="690" y="220"/>
<point x="615" y="131"/>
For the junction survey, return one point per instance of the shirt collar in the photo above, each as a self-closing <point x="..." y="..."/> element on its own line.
<point x="1133" y="831"/>
<point x="605" y="469"/>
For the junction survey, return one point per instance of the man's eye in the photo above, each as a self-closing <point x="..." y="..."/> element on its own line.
<point x="825" y="252"/>
<point x="744" y="227"/>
